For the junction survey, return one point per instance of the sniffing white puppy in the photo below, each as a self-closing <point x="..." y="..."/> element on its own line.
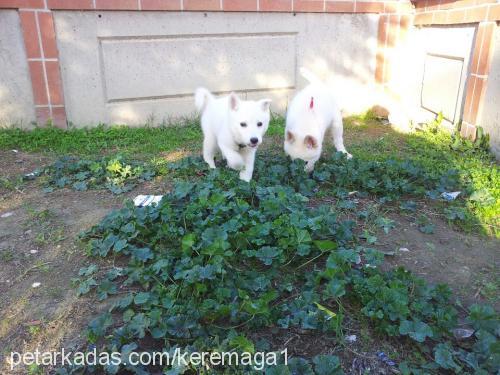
<point x="233" y="126"/>
<point x="310" y="114"/>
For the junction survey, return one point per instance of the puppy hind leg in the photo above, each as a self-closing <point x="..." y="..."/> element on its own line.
<point x="338" y="135"/>
<point x="209" y="149"/>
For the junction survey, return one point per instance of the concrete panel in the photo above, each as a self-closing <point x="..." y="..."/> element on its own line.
<point x="420" y="99"/>
<point x="138" y="67"/>
<point x="223" y="56"/>
<point x="16" y="97"/>
<point x="441" y="84"/>
<point x="490" y="119"/>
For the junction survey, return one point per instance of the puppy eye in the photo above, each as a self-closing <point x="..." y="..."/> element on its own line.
<point x="259" y="124"/>
<point x="243" y="124"/>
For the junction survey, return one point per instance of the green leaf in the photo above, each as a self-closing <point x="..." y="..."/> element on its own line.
<point x="141" y="298"/>
<point x="326" y="245"/>
<point x="241" y="343"/>
<point x="327" y="365"/>
<point x="417" y="330"/>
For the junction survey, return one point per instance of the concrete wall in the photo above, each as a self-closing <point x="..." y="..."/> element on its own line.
<point x="16" y="97"/>
<point x="142" y="67"/>
<point x="490" y="119"/>
<point x="431" y="74"/>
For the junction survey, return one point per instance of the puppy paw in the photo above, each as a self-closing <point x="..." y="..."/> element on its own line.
<point x="245" y="177"/>
<point x="309" y="167"/>
<point x="236" y="164"/>
<point x="348" y="155"/>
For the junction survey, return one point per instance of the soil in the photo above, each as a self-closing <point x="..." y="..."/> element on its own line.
<point x="39" y="257"/>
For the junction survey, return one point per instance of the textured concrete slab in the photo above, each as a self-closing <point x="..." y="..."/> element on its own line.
<point x="430" y="74"/>
<point x="16" y="98"/>
<point x="133" y="68"/>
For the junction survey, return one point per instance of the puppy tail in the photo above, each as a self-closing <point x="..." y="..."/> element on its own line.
<point x="201" y="98"/>
<point x="308" y="75"/>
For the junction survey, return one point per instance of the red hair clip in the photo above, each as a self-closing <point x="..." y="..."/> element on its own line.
<point x="311" y="104"/>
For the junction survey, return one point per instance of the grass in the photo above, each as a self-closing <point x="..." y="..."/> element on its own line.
<point x="366" y="138"/>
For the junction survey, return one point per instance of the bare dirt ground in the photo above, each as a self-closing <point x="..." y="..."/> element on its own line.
<point x="39" y="256"/>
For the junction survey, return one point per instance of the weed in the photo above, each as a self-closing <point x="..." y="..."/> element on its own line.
<point x="219" y="258"/>
<point x="6" y="255"/>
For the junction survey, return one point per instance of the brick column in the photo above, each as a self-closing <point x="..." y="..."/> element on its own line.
<point x="43" y="60"/>
<point x="477" y="79"/>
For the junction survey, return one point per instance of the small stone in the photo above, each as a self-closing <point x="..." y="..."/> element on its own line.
<point x="7" y="214"/>
<point x="36" y="284"/>
<point x="403" y="249"/>
<point x="351" y="338"/>
<point x="33" y="251"/>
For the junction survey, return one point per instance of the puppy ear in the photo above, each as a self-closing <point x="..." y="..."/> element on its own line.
<point x="265" y="104"/>
<point x="234" y="101"/>
<point x="310" y="141"/>
<point x="290" y="137"/>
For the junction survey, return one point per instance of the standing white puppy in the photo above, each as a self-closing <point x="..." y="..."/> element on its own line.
<point x="233" y="126"/>
<point x="311" y="113"/>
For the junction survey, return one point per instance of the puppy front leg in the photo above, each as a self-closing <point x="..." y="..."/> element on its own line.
<point x="247" y="172"/>
<point x="310" y="165"/>
<point x="209" y="150"/>
<point x="338" y="135"/>
<point x="234" y="159"/>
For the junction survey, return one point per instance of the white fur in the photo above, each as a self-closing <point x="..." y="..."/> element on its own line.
<point x="306" y="127"/>
<point x="221" y="120"/>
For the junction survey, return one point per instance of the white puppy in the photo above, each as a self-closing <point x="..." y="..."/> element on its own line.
<point x="310" y="114"/>
<point x="234" y="126"/>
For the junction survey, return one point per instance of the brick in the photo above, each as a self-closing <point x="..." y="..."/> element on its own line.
<point x="38" y="83"/>
<point x="30" y="34"/>
<point x="42" y="115"/>
<point x="405" y="7"/>
<point x="476" y="49"/>
<point x="423" y="18"/>
<point x="339" y="6"/>
<point x="383" y="24"/>
<point x="70" y="4"/>
<point x="439" y="18"/>
<point x="494" y="13"/>
<point x="369" y="7"/>
<point x="275" y="5"/>
<point x="391" y="7"/>
<point x="308" y="6"/>
<point x="476" y="14"/>
<point x="117" y="4"/>
<point x="48" y="35"/>
<point x="36" y="4"/>
<point x="455" y="16"/>
<point x="54" y="82"/>
<point x="404" y="26"/>
<point x="483" y="67"/>
<point x="59" y="117"/>
<point x="161" y="4"/>
<point x="393" y="30"/>
<point x="477" y="99"/>
<point x="431" y="5"/>
<point x="240" y="5"/>
<point x="202" y="5"/>
<point x="469" y="94"/>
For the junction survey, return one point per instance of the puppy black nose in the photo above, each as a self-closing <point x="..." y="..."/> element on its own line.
<point x="254" y="140"/>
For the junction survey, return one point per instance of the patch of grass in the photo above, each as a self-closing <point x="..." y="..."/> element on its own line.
<point x="104" y="140"/>
<point x="435" y="151"/>
<point x="48" y="230"/>
<point x="6" y="255"/>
